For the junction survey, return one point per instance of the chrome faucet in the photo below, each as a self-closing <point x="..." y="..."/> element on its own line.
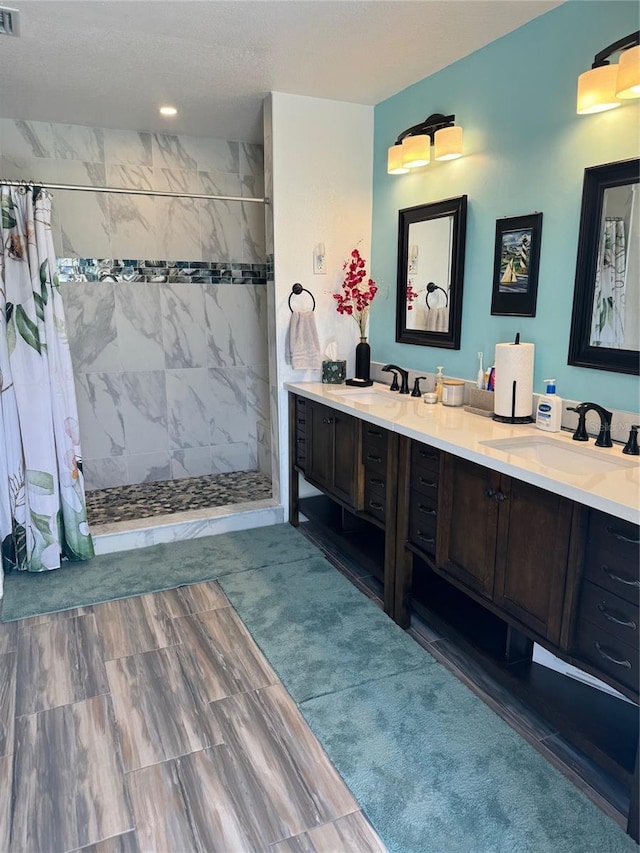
<point x="404" y="387"/>
<point x="604" y="436"/>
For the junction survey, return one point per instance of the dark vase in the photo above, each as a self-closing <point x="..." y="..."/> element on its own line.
<point x="363" y="360"/>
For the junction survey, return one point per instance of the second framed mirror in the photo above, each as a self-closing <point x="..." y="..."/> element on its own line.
<point x="431" y="240"/>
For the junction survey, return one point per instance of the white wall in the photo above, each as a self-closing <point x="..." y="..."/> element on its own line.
<point x="322" y="162"/>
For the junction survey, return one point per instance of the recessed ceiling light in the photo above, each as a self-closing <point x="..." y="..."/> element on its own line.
<point x="168" y="111"/>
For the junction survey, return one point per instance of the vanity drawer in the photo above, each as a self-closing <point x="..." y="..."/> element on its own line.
<point x="301" y="412"/>
<point x="300" y="450"/>
<point x="609" y="613"/>
<point x="374" y="447"/>
<point x="424" y="460"/>
<point x="613" y="572"/>
<point x="374" y="505"/>
<point x="613" y="555"/>
<point x="375" y="482"/>
<point x="611" y="534"/>
<point x="426" y="483"/>
<point x="604" y="651"/>
<point x="422" y="524"/>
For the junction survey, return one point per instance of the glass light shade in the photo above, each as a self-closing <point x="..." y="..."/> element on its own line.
<point x="629" y="74"/>
<point x="448" y="143"/>
<point x="416" y="151"/>
<point x="394" y="161"/>
<point x="597" y="90"/>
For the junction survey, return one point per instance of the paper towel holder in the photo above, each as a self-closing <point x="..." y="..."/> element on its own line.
<point x="513" y="418"/>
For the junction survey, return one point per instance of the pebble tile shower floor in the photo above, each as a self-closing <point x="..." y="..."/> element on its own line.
<point x="145" y="500"/>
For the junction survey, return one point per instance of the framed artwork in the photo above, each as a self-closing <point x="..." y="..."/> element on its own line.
<point x="515" y="266"/>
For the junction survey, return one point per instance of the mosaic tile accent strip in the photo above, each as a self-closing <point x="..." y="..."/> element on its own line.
<point x="145" y="500"/>
<point x="185" y="272"/>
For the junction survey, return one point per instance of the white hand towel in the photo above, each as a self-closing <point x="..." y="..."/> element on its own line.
<point x="437" y="320"/>
<point x="303" y="345"/>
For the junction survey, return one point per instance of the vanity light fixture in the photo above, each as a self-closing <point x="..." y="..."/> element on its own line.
<point x="606" y="85"/>
<point x="168" y="111"/>
<point x="413" y="146"/>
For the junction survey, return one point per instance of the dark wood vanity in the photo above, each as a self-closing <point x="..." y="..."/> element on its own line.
<point x="551" y="570"/>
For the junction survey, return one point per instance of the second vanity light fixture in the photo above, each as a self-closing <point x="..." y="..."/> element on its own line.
<point x="413" y="146"/>
<point x="607" y="85"/>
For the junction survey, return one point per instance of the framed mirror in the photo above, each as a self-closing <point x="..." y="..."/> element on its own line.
<point x="431" y="241"/>
<point x="605" y="324"/>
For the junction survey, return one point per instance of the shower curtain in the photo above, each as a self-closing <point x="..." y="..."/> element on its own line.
<point x="42" y="505"/>
<point x="607" y="325"/>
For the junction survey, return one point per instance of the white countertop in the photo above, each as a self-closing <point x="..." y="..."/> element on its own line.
<point x="461" y="433"/>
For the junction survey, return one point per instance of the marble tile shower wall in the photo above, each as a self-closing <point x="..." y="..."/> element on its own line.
<point x="96" y="225"/>
<point x="172" y="378"/>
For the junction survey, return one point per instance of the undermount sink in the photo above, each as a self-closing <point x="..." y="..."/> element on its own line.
<point x="561" y="455"/>
<point x="368" y="396"/>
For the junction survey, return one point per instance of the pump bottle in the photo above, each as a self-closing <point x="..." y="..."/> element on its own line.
<point x="549" y="410"/>
<point x="439" y="381"/>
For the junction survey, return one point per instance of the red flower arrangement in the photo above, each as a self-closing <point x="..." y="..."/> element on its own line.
<point x="358" y="291"/>
<point x="411" y="295"/>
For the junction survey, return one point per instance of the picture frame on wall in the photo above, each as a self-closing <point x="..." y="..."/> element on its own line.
<point x="515" y="266"/>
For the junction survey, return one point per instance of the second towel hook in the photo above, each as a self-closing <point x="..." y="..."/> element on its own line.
<point x="297" y="289"/>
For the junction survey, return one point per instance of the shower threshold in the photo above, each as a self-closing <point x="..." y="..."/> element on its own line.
<point x="168" y="497"/>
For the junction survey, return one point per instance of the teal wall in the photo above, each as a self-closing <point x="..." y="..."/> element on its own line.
<point x="525" y="151"/>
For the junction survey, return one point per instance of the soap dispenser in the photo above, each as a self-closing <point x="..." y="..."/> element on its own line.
<point x="549" y="410"/>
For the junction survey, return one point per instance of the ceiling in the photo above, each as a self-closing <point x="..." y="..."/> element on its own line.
<point x="111" y="64"/>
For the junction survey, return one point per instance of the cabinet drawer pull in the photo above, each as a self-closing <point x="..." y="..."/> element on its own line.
<point x="300" y="440"/>
<point x="426" y="510"/>
<point x="428" y="539"/>
<point x="302" y="421"/>
<point x="621" y="537"/>
<point x="617" y="578"/>
<point x="375" y="433"/>
<point x="376" y="505"/>
<point x="625" y="663"/>
<point x="602" y="607"/>
<point x="376" y="481"/>
<point x="428" y="483"/>
<point x="374" y="458"/>
<point x="426" y="454"/>
<point x="327" y="420"/>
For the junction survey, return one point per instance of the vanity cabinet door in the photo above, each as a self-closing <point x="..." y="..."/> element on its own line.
<point x="466" y="542"/>
<point x="333" y="458"/>
<point x="534" y="532"/>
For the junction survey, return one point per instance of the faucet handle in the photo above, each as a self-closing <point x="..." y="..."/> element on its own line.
<point x="416" y="387"/>
<point x="394" y="384"/>
<point x="580" y="433"/>
<point x="631" y="447"/>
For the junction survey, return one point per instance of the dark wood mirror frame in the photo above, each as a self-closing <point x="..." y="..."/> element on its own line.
<point x="456" y="208"/>
<point x="597" y="179"/>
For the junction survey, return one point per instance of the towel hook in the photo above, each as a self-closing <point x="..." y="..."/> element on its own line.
<point x="298" y="288"/>
<point x="433" y="286"/>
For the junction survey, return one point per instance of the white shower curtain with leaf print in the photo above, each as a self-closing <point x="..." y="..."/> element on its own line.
<point x="607" y="325"/>
<point x="42" y="504"/>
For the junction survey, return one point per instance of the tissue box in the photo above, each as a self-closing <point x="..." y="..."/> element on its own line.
<point x="334" y="372"/>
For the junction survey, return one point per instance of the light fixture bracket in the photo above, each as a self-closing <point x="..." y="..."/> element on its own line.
<point x="602" y="58"/>
<point x="428" y="127"/>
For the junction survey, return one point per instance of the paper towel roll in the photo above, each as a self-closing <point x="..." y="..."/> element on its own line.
<point x="514" y="363"/>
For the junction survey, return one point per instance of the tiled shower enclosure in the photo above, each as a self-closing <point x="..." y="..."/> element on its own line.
<point x="171" y="376"/>
<point x="170" y="356"/>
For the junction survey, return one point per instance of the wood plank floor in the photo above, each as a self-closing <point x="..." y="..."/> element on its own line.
<point x="156" y="724"/>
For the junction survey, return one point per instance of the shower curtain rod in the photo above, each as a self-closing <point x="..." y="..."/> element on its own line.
<point x="126" y="191"/>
